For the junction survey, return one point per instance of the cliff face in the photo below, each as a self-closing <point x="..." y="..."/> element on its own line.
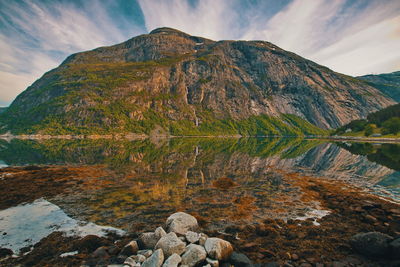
<point x="187" y="84"/>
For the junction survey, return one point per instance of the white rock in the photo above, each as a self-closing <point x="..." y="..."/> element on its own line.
<point x="202" y="239"/>
<point x="218" y="249"/>
<point x="155" y="260"/>
<point x="213" y="263"/>
<point x="194" y="255"/>
<point x="181" y="222"/>
<point x="192" y="237"/>
<point x="172" y="261"/>
<point x="171" y="244"/>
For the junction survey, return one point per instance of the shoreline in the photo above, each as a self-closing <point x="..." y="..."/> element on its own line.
<point x="144" y="136"/>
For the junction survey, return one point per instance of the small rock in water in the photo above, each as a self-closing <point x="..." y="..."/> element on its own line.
<point x="181" y="222"/>
<point x="239" y="260"/>
<point x="172" y="261"/>
<point x="218" y="249"/>
<point x="155" y="260"/>
<point x="171" y="244"/>
<point x="194" y="254"/>
<point x="145" y="252"/>
<point x="372" y="244"/>
<point x="192" y="237"/>
<point x="130" y="249"/>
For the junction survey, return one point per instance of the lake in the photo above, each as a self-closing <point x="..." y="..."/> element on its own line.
<point x="95" y="186"/>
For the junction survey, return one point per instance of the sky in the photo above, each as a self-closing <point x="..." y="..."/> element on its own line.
<point x="355" y="37"/>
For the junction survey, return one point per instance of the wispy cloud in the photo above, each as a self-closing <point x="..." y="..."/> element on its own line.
<point x="36" y="36"/>
<point x="351" y="36"/>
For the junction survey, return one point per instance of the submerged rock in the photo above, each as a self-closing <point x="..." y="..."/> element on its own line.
<point x="155" y="260"/>
<point x="239" y="260"/>
<point x="181" y="222"/>
<point x="171" y="244"/>
<point x="218" y="249"/>
<point x="372" y="244"/>
<point x="194" y="255"/>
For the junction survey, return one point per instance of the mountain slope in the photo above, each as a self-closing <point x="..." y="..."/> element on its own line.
<point x="172" y="82"/>
<point x="387" y="83"/>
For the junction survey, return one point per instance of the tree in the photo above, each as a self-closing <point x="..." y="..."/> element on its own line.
<point x="391" y="126"/>
<point x="369" y="129"/>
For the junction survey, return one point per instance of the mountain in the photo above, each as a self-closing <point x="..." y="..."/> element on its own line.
<point x="169" y="82"/>
<point x="2" y="109"/>
<point x="387" y="83"/>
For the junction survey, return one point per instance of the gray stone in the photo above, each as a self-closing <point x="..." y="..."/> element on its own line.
<point x="202" y="239"/>
<point x="130" y="262"/>
<point x="194" y="255"/>
<point x="218" y="249"/>
<point x="145" y="252"/>
<point x="372" y="244"/>
<point x="155" y="260"/>
<point x="130" y="249"/>
<point x="172" y="261"/>
<point x="171" y="244"/>
<point x="213" y="263"/>
<point x="181" y="222"/>
<point x="150" y="239"/>
<point x="207" y="265"/>
<point x="192" y="237"/>
<point x="239" y="260"/>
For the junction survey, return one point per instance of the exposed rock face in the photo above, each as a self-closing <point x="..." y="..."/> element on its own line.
<point x="168" y="77"/>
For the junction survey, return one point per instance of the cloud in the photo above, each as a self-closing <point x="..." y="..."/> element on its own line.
<point x="35" y="37"/>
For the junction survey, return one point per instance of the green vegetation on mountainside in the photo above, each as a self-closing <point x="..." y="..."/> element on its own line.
<point x="385" y="122"/>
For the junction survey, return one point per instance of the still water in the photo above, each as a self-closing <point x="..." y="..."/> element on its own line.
<point x="131" y="185"/>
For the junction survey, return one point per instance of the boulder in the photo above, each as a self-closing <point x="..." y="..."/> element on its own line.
<point x="395" y="248"/>
<point x="240" y="260"/>
<point x="100" y="252"/>
<point x="155" y="260"/>
<point x="172" y="261"/>
<point x="150" y="239"/>
<point x="372" y="244"/>
<point x="130" y="249"/>
<point x="192" y="237"/>
<point x="194" y="255"/>
<point x="218" y="249"/>
<point x="181" y="222"/>
<point x="171" y="244"/>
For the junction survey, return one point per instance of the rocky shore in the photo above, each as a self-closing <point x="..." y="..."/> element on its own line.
<point x="360" y="230"/>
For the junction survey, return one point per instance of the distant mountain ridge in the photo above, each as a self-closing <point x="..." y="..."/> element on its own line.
<point x="387" y="83"/>
<point x="169" y="82"/>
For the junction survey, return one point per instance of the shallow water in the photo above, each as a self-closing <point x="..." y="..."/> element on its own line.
<point x="135" y="185"/>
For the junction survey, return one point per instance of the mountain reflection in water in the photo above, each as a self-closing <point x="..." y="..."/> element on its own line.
<point x="223" y="179"/>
